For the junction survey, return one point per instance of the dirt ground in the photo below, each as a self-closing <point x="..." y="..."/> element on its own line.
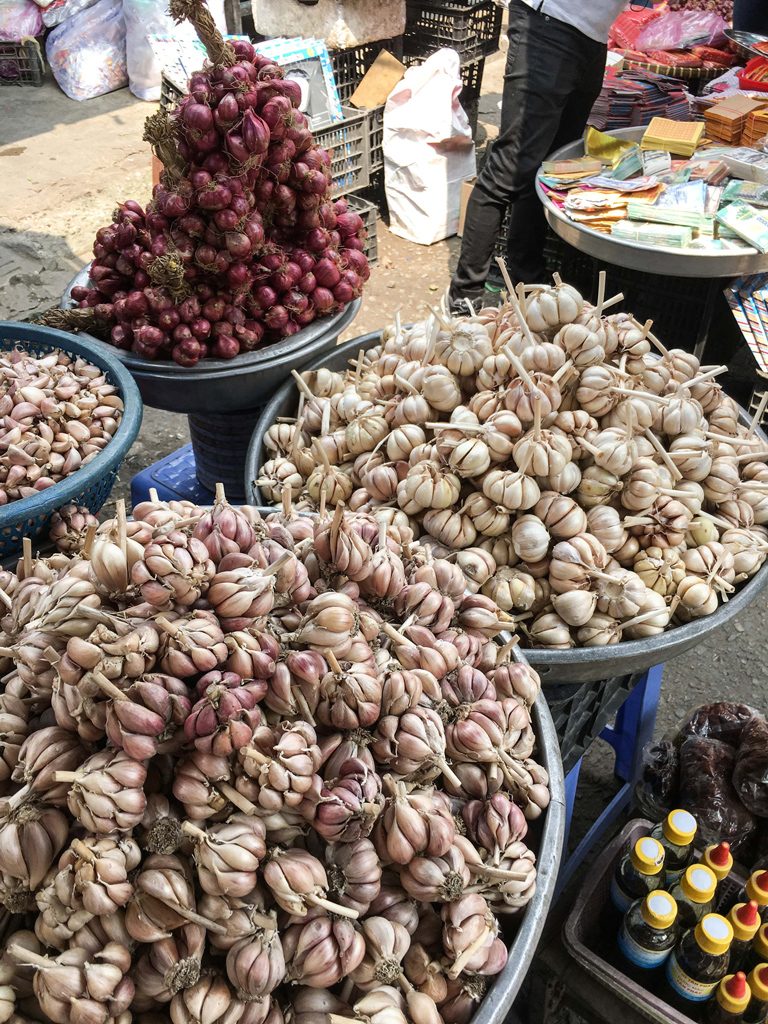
<point x="65" y="164"/>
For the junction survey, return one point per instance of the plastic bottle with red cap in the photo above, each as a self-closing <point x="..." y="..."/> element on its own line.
<point x="731" y="999"/>
<point x="756" y="889"/>
<point x="745" y="921"/>
<point x="759" y="951"/>
<point x="757" y="1011"/>
<point x="719" y="859"/>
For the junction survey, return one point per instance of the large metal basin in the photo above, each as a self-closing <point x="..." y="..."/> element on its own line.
<point x="580" y="664"/>
<point x="224" y="385"/>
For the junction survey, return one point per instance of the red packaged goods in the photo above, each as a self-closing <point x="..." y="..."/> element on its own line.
<point x="674" y="58"/>
<point x="628" y="27"/>
<point x="714" y="56"/>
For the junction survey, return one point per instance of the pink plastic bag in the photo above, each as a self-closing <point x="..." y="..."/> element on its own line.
<point x="677" y="30"/>
<point x="19" y="19"/>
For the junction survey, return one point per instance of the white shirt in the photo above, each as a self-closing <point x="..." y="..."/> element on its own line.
<point x="592" y="17"/>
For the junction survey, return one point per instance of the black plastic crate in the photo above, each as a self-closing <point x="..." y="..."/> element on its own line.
<point x="347" y="142"/>
<point x="369" y="213"/>
<point x="581" y="713"/>
<point x="471" y="85"/>
<point x="472" y="29"/>
<point x="376" y="139"/>
<point x="350" y="66"/>
<point x="21" y="63"/>
<point x="170" y="94"/>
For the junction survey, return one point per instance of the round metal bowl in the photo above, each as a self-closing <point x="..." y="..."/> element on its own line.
<point x="745" y="43"/>
<point x="633" y="255"/>
<point x="579" y="664"/>
<point x="217" y="385"/>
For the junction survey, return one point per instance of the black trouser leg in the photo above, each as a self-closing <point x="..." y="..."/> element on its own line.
<point x="527" y="223"/>
<point x="750" y="16"/>
<point x="548" y="63"/>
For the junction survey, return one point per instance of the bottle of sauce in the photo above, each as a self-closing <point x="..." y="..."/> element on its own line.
<point x="699" y="963"/>
<point x="719" y="859"/>
<point x="745" y="921"/>
<point x="694" y="894"/>
<point x="759" y="952"/>
<point x="757" y="1011"/>
<point x="637" y="873"/>
<point x="648" y="933"/>
<point x="676" y="834"/>
<point x="731" y="999"/>
<point x="756" y="889"/>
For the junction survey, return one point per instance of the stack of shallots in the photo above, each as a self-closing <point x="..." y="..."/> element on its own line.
<point x="258" y="768"/>
<point x="56" y="414"/>
<point x="594" y="489"/>
<point x="241" y="243"/>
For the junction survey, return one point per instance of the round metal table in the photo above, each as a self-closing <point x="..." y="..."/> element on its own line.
<point x="713" y="267"/>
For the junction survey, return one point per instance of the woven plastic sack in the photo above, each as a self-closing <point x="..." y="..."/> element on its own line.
<point x="428" y="150"/>
<point x="87" y="52"/>
<point x="144" y="18"/>
<point x="18" y="20"/>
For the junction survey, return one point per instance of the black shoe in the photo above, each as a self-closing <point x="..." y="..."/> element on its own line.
<point x="462" y="305"/>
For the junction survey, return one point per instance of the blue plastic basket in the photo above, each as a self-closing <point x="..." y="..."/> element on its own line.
<point x="89" y="486"/>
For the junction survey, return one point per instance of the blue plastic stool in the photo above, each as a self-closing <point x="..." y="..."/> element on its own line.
<point x="174" y="478"/>
<point x="632" y="730"/>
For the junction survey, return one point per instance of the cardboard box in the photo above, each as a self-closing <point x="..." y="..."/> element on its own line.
<point x="466" y="192"/>
<point x="378" y="82"/>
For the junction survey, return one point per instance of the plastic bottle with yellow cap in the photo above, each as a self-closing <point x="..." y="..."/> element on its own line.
<point x="676" y="834"/>
<point x="758" y="954"/>
<point x="637" y="873"/>
<point x="745" y="921"/>
<point x="756" y="889"/>
<point x="731" y="999"/>
<point x="649" y="932"/>
<point x="757" y="1011"/>
<point x="699" y="962"/>
<point x="694" y="894"/>
<point x="719" y="859"/>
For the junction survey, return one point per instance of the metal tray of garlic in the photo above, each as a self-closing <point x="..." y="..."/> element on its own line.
<point x="486" y="371"/>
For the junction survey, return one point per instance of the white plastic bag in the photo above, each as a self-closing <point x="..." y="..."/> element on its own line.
<point x="428" y="150"/>
<point x="18" y="20"/>
<point x="57" y="11"/>
<point x="144" y="18"/>
<point x="87" y="52"/>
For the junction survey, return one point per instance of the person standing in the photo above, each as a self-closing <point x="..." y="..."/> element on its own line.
<point x="751" y="16"/>
<point x="553" y="75"/>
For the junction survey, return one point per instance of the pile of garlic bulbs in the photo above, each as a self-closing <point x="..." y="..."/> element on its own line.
<point x="596" y="489"/>
<point x="256" y="768"/>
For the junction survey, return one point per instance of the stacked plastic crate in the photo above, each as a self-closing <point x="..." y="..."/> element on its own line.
<point x="472" y="29"/>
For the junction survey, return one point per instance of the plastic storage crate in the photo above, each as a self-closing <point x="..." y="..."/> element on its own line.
<point x="347" y="142"/>
<point x="21" y="63"/>
<point x="472" y="29"/>
<point x="594" y="948"/>
<point x="376" y="139"/>
<point x="369" y="213"/>
<point x="170" y="94"/>
<point x="581" y="713"/>
<point x="471" y="84"/>
<point x="350" y="66"/>
<point x="174" y="478"/>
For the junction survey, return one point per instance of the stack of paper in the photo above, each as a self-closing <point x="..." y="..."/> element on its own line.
<point x="668" y="215"/>
<point x="748" y="222"/>
<point x="756" y="128"/>
<point x="678" y="137"/>
<point x="670" y="235"/>
<point x="725" y="121"/>
<point x="633" y="98"/>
